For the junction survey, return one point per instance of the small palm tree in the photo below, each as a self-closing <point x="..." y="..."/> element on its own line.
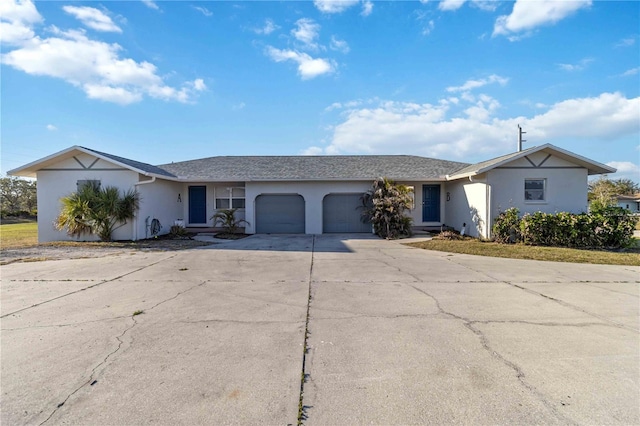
<point x="384" y="205"/>
<point x="92" y="210"/>
<point x="227" y="220"/>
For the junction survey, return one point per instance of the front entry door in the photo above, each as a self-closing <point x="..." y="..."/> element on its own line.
<point x="197" y="204"/>
<point x="431" y="203"/>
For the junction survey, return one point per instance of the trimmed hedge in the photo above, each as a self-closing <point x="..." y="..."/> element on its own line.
<point x="610" y="227"/>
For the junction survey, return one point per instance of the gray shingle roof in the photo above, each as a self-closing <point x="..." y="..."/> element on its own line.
<point x="342" y="167"/>
<point x="135" y="164"/>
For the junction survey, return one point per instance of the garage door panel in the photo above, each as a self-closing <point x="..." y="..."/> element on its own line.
<point x="342" y="213"/>
<point x="280" y="214"/>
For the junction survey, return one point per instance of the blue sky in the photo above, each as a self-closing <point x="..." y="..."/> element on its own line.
<point x="162" y="81"/>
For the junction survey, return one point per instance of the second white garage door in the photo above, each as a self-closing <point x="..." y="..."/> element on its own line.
<point x="341" y="213"/>
<point x="280" y="214"/>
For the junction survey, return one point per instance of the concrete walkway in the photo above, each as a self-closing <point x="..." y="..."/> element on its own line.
<point x="393" y="335"/>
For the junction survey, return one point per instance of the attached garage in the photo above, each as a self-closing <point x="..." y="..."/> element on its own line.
<point x="280" y="214"/>
<point x="340" y="213"/>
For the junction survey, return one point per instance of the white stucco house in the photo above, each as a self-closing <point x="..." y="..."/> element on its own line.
<point x="629" y="202"/>
<point x="316" y="194"/>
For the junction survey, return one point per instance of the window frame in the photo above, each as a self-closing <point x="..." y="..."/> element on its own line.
<point x="544" y="191"/>
<point x="229" y="197"/>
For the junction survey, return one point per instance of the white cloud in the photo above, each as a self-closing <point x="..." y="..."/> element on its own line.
<point x="203" y="10"/>
<point x="51" y="128"/>
<point x="151" y="4"/>
<point x="632" y="71"/>
<point x="451" y="4"/>
<point x="339" y="45"/>
<point x="426" y="30"/>
<point x="308" y="67"/>
<point x="334" y="6"/>
<point x="92" y="18"/>
<point x="527" y="15"/>
<point x="312" y="150"/>
<point x="447" y="130"/>
<point x="307" y="32"/>
<point x="626" y="42"/>
<point x="625" y="169"/>
<point x="268" y="28"/>
<point x="96" y="67"/>
<point x="238" y="107"/>
<point x="16" y="21"/>
<point x="474" y="84"/>
<point x="367" y="8"/>
<point x="576" y="67"/>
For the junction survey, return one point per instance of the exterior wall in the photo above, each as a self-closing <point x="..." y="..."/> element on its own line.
<point x="565" y="189"/>
<point x="312" y="192"/>
<point x="467" y="206"/>
<point x="632" y="206"/>
<point x="158" y="200"/>
<point x="416" y="213"/>
<point x="212" y="190"/>
<point x="62" y="181"/>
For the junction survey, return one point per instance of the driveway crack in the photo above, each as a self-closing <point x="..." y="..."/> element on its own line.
<point x="119" y="338"/>
<point x="87" y="288"/>
<point x="302" y="409"/>
<point x="484" y="341"/>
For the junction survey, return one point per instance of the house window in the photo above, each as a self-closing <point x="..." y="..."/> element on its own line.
<point x="534" y="189"/>
<point x="230" y="198"/>
<point x="82" y="183"/>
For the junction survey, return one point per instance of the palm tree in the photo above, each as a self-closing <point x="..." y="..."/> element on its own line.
<point x="227" y="219"/>
<point x="384" y="205"/>
<point x="95" y="210"/>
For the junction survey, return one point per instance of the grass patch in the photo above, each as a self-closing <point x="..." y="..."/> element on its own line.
<point x="631" y="257"/>
<point x="24" y="233"/>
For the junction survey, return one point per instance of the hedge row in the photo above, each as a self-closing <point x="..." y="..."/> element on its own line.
<point x="610" y="227"/>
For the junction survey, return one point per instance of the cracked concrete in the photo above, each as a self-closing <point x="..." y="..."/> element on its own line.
<point x="393" y="335"/>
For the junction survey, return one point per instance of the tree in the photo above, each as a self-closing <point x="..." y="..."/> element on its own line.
<point x="227" y="219"/>
<point x="18" y="195"/>
<point x="95" y="210"/>
<point x="603" y="191"/>
<point x="384" y="205"/>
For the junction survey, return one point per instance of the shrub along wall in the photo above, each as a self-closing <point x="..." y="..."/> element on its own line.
<point x="610" y="227"/>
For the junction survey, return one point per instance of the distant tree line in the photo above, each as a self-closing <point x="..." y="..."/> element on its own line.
<point x="18" y="197"/>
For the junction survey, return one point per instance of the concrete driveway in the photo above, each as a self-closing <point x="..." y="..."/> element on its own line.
<point x="346" y="329"/>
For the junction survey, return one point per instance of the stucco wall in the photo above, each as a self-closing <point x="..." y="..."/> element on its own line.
<point x="416" y="213"/>
<point x="312" y="192"/>
<point x="55" y="184"/>
<point x="158" y="200"/>
<point x="565" y="190"/>
<point x="467" y="205"/>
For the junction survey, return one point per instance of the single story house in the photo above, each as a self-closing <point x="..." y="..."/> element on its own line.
<point x="630" y="202"/>
<point x="316" y="194"/>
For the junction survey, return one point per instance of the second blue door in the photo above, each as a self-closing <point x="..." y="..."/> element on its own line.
<point x="431" y="203"/>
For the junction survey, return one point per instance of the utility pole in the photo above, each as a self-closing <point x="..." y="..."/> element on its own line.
<point x="520" y="140"/>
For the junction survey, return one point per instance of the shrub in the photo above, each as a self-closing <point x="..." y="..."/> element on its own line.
<point x="506" y="226"/>
<point x="177" y="231"/>
<point x="227" y="220"/>
<point x="608" y="227"/>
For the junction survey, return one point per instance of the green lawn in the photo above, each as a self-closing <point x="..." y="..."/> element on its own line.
<point x="519" y="251"/>
<point x="19" y="234"/>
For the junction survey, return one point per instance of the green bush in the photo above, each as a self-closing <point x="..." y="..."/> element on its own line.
<point x="608" y="227"/>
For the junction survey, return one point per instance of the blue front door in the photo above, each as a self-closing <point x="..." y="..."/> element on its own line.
<point x="197" y="204"/>
<point x="431" y="203"/>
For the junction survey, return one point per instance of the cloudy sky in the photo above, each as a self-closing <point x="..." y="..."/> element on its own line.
<point x="161" y="81"/>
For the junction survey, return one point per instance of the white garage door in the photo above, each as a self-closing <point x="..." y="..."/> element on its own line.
<point x="280" y="214"/>
<point x="341" y="213"/>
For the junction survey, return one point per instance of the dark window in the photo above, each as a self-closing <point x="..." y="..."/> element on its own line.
<point x="534" y="190"/>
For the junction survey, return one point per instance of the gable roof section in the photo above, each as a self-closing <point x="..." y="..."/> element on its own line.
<point x="633" y="197"/>
<point x="593" y="167"/>
<point x="285" y="168"/>
<point x="29" y="170"/>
